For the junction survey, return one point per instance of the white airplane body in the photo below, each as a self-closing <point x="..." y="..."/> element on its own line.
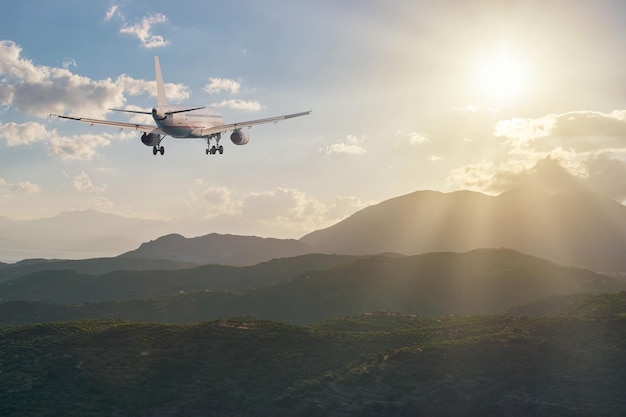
<point x="184" y="122"/>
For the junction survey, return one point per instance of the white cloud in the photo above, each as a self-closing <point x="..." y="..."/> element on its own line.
<point x="112" y="12"/>
<point x="292" y="209"/>
<point x="582" y="131"/>
<point x="12" y="66"/>
<point x="249" y="105"/>
<point x="352" y="145"/>
<point x="22" y="134"/>
<point x="77" y="147"/>
<point x="143" y="31"/>
<point x="212" y="201"/>
<point x="41" y="90"/>
<point x="416" y="138"/>
<point x="80" y="147"/>
<point x="217" y="85"/>
<point x="69" y="62"/>
<point x="83" y="183"/>
<point x="556" y="151"/>
<point x="134" y="87"/>
<point x="26" y="187"/>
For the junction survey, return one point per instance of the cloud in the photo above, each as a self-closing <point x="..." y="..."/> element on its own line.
<point x="22" y="134"/>
<point x="217" y="85"/>
<point x="211" y="201"/>
<point x="352" y="145"/>
<point x="556" y="152"/>
<point x="77" y="147"/>
<point x="416" y="138"/>
<point x="83" y="183"/>
<point x="80" y="147"/>
<point x="143" y="30"/>
<point x="69" y="62"/>
<point x="292" y="209"/>
<point x="134" y="87"/>
<point x="250" y="105"/>
<point x="26" y="187"/>
<point x="112" y="12"/>
<point x="581" y="131"/>
<point x="41" y="90"/>
<point x="607" y="174"/>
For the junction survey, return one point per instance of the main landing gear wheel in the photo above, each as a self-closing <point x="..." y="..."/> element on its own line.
<point x="159" y="149"/>
<point x="215" y="149"/>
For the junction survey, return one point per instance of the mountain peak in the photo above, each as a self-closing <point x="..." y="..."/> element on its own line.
<point x="572" y="228"/>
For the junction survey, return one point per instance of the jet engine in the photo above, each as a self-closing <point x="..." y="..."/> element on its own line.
<point x="151" y="139"/>
<point x="239" y="137"/>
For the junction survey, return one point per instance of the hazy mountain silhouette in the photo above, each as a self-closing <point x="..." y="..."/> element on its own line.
<point x="219" y="249"/>
<point x="571" y="228"/>
<point x="75" y="234"/>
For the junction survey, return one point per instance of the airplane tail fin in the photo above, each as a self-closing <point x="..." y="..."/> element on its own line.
<point x="159" y="82"/>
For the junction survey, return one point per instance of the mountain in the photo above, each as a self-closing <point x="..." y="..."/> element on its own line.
<point x="219" y="249"/>
<point x="449" y="366"/>
<point x="436" y="284"/>
<point x="87" y="266"/>
<point x="75" y="234"/>
<point x="575" y="228"/>
<point x="74" y="286"/>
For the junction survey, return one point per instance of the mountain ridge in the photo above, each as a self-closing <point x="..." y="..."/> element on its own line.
<point x="576" y="228"/>
<point x="485" y="281"/>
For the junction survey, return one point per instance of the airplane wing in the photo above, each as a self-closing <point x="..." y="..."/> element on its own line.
<point x="121" y="125"/>
<point x="233" y="126"/>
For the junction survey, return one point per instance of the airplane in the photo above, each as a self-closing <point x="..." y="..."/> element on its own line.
<point x="184" y="122"/>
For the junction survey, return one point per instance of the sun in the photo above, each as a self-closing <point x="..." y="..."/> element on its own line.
<point x="500" y="77"/>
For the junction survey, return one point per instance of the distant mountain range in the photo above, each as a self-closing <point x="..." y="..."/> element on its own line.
<point x="75" y="234"/>
<point x="576" y="228"/>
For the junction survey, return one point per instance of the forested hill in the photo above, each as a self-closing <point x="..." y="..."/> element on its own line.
<point x="294" y="291"/>
<point x="367" y="365"/>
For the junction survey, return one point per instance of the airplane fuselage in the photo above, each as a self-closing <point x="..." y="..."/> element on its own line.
<point x="185" y="124"/>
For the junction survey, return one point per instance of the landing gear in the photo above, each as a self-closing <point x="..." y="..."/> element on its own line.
<point x="158" y="149"/>
<point x="215" y="148"/>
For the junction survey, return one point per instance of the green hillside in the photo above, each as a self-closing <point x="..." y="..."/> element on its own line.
<point x="71" y="286"/>
<point x="437" y="284"/>
<point x="375" y="364"/>
<point x="585" y="305"/>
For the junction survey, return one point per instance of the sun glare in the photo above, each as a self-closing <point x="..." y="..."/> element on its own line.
<point x="501" y="77"/>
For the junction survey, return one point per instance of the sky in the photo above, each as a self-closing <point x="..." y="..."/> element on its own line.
<point x="406" y="96"/>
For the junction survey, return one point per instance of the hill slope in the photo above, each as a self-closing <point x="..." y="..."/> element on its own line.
<point x="477" y="282"/>
<point x="571" y="228"/>
<point x="487" y="366"/>
<point x="66" y="286"/>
